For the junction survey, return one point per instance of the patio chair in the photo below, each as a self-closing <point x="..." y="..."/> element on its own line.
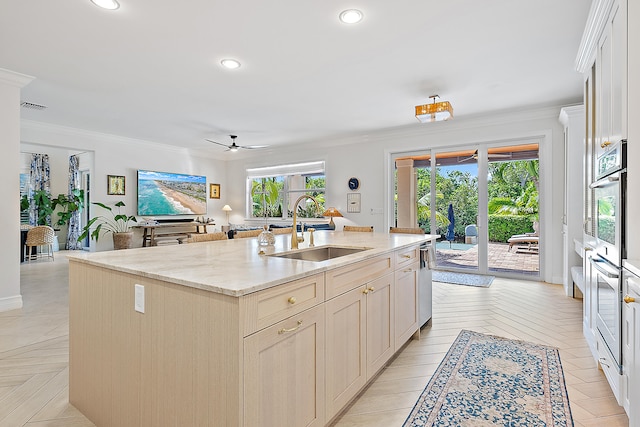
<point x="529" y="239"/>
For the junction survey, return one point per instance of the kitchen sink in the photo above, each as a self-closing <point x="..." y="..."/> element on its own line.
<point x="321" y="253"/>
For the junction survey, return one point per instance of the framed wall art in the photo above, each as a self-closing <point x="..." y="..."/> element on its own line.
<point x="214" y="191"/>
<point x="115" y="185"/>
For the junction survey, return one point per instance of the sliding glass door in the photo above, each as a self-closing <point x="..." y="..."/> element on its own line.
<point x="482" y="200"/>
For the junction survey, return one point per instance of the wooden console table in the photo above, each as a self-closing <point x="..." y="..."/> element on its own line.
<point x="170" y="229"/>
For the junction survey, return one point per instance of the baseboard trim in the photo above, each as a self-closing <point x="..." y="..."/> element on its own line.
<point x="11" y="303"/>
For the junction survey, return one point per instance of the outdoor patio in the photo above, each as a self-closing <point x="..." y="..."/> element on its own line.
<point x="500" y="258"/>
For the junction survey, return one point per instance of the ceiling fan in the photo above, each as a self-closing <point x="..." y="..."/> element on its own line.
<point x="233" y="147"/>
<point x="474" y="156"/>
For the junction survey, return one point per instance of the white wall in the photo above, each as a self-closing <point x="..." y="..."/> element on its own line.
<point x="115" y="155"/>
<point x="368" y="158"/>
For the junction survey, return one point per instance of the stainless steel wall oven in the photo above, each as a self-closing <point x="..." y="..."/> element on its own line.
<point x="609" y="193"/>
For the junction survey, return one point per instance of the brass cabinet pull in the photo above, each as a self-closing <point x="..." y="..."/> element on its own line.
<point x="605" y="144"/>
<point x="406" y="256"/>
<point x="628" y="299"/>
<point x="292" y="300"/>
<point x="371" y="289"/>
<point x="365" y="291"/>
<point x="284" y="330"/>
<point x="408" y="270"/>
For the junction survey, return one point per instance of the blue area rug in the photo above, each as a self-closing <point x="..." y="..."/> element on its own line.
<point x="487" y="380"/>
<point x="462" y="278"/>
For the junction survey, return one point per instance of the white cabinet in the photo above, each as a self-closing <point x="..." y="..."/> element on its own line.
<point x="572" y="118"/>
<point x="631" y="348"/>
<point x="611" y="79"/>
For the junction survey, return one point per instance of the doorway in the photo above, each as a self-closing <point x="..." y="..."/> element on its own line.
<point x="482" y="200"/>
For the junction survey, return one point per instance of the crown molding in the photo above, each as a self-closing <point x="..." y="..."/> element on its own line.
<point x="567" y="113"/>
<point x="12" y="78"/>
<point x="596" y="22"/>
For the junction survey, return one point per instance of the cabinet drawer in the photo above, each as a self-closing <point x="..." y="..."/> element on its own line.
<point x="344" y="279"/>
<point x="264" y="308"/>
<point x="407" y="256"/>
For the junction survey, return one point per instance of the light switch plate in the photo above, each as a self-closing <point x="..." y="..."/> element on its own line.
<point x="139" y="298"/>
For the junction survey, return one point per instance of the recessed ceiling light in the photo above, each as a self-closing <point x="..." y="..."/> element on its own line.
<point x="231" y="64"/>
<point x="106" y="4"/>
<point x="351" y="16"/>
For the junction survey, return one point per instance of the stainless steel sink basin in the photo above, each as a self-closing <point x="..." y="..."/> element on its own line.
<point x="321" y="253"/>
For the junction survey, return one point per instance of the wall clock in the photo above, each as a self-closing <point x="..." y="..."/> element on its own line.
<point x="354" y="184"/>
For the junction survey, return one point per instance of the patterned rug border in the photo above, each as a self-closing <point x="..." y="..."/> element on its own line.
<point x="451" y="363"/>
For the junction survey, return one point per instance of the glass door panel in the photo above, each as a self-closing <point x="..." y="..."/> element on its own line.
<point x="456" y="209"/>
<point x="512" y="210"/>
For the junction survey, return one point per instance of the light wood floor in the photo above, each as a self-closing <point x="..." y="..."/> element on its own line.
<point x="34" y="351"/>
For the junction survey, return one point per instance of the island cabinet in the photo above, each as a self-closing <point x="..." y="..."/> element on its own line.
<point x="294" y="354"/>
<point x="360" y="330"/>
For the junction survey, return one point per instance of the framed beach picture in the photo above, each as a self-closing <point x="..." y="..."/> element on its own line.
<point x="214" y="191"/>
<point x="115" y="185"/>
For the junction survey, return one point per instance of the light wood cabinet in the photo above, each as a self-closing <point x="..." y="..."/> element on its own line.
<point x="284" y="372"/>
<point x="287" y="355"/>
<point x="406" y="300"/>
<point x="360" y="339"/>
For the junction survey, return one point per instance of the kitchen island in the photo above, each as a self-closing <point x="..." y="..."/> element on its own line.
<point x="217" y="334"/>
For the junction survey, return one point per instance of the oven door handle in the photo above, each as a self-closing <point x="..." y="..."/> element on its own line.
<point x="609" y="180"/>
<point x="606" y="272"/>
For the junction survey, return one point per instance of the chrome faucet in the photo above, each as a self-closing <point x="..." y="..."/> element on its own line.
<point x="294" y="230"/>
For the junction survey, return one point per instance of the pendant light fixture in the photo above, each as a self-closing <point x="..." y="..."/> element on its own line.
<point x="434" y="112"/>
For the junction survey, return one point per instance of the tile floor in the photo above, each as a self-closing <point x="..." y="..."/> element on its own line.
<point x="34" y="351"/>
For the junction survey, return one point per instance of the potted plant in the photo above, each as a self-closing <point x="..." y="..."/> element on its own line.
<point x="42" y="200"/>
<point x="69" y="205"/>
<point x="118" y="224"/>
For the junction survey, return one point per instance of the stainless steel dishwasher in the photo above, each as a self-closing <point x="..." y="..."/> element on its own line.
<point x="425" y="291"/>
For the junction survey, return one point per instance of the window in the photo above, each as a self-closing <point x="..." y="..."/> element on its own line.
<point x="24" y="204"/>
<point x="272" y="191"/>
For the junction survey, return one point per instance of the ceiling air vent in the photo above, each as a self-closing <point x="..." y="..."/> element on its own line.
<point x="32" y="106"/>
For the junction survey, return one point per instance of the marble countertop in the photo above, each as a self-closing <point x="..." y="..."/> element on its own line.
<point x="234" y="267"/>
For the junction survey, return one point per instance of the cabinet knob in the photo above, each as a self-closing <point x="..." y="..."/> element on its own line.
<point x="371" y="289"/>
<point x="628" y="299"/>
<point x="605" y="144"/>
<point x="292" y="300"/>
<point x="365" y="291"/>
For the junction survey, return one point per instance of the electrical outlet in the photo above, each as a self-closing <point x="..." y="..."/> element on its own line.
<point x="139" y="298"/>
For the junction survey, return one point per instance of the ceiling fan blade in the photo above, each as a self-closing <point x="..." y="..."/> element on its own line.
<point x="253" y="147"/>
<point x="215" y="142"/>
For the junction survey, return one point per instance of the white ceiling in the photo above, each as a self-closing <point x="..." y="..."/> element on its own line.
<point x="151" y="69"/>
